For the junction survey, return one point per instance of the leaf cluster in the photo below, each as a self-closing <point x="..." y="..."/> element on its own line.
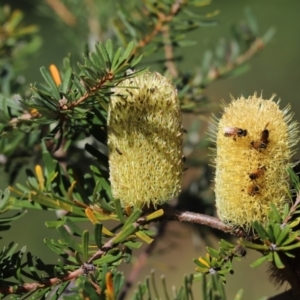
<point x="277" y="238"/>
<point x="17" y="44"/>
<point x="61" y="130"/>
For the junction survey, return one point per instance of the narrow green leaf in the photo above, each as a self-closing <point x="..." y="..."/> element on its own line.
<point x="65" y="235"/>
<point x="267" y="37"/>
<point x="48" y="161"/>
<point x="154" y="284"/>
<point x="292" y="237"/>
<point x="133" y="217"/>
<point x="239" y="295"/>
<point x="204" y="287"/>
<point x="213" y="252"/>
<point x="238" y="71"/>
<point x="104" y="55"/>
<point x="226" y="245"/>
<point x="98" y="234"/>
<point x="9" y="251"/>
<point x="108" y="259"/>
<point x="163" y="279"/>
<point x="278" y="261"/>
<point x="218" y="284"/>
<point x="78" y="259"/>
<point x="85" y="245"/>
<point x="289" y="254"/>
<point x="66" y="81"/>
<point x="104" y="182"/>
<point x="251" y="245"/>
<point x="270" y="256"/>
<point x="49" y="80"/>
<point x="135" y="61"/>
<point x="133" y="245"/>
<point x="52" y="246"/>
<point x="109" y="49"/>
<point x="251" y="20"/>
<point x="119" y="210"/>
<point x="4" y="200"/>
<point x="32" y="269"/>
<point x="260" y="230"/>
<point x="294" y="179"/>
<point x="259" y="261"/>
<point x="47" y="201"/>
<point x="148" y="288"/>
<point x="118" y="282"/>
<point x="290" y="247"/>
<point x="283" y="235"/>
<point x="156" y="214"/>
<point x="144" y="237"/>
<point x="124" y="233"/>
<point x="286" y="211"/>
<point x="276" y="214"/>
<point x="130" y="28"/>
<point x="206" y="62"/>
<point x="59" y="292"/>
<point x="72" y="226"/>
<point x="128" y="51"/>
<point x="116" y="59"/>
<point x="273" y="232"/>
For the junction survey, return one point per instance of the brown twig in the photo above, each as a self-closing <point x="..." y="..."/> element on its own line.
<point x="169" y="214"/>
<point x="108" y="77"/>
<point x="169" y="55"/>
<point x="27" y="287"/>
<point x="196" y="218"/>
<point x="62" y="11"/>
<point x="162" y="19"/>
<point x="292" y="210"/>
<point x="255" y="47"/>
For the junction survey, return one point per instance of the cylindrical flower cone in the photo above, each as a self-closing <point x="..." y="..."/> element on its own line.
<point x="254" y="141"/>
<point x="145" y="141"/>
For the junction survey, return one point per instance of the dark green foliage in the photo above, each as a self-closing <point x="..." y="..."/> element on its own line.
<point x="280" y="236"/>
<point x="58" y="134"/>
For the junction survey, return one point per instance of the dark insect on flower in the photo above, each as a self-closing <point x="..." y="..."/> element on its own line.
<point x="257" y="173"/>
<point x="234" y="132"/>
<point x="265" y="135"/>
<point x="258" y="145"/>
<point x="253" y="189"/>
<point x="119" y="151"/>
<point x="263" y="142"/>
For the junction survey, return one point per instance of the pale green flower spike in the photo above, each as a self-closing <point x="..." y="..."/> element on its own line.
<point x="145" y="141"/>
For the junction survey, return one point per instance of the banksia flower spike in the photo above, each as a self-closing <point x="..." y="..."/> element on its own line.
<point x="254" y="141"/>
<point x="145" y="141"/>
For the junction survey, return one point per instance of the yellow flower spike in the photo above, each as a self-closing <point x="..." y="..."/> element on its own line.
<point x="55" y="74"/>
<point x="145" y="141"/>
<point x="254" y="140"/>
<point x="110" y="293"/>
<point x="40" y="177"/>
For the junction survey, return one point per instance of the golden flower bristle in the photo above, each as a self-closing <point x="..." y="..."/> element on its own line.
<point x="251" y="169"/>
<point x="145" y="140"/>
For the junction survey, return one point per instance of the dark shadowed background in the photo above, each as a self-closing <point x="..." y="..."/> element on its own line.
<point x="274" y="70"/>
